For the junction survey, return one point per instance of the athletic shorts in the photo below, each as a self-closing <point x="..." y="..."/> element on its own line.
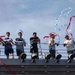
<point x="9" y="51"/>
<point x="19" y="52"/>
<point x="33" y="50"/>
<point x="71" y="52"/>
<point x="52" y="52"/>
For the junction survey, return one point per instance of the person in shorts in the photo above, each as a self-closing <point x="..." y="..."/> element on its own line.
<point x="34" y="40"/>
<point x="70" y="45"/>
<point x="20" y="43"/>
<point x="52" y="49"/>
<point x="7" y="43"/>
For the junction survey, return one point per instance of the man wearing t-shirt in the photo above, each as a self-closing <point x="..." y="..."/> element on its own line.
<point x="34" y="40"/>
<point x="8" y="42"/>
<point x="70" y="45"/>
<point x="20" y="43"/>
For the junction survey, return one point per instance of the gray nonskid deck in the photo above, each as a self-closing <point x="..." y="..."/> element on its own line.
<point x="38" y="68"/>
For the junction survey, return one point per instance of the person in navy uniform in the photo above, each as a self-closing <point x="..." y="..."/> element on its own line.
<point x="8" y="42"/>
<point x="34" y="40"/>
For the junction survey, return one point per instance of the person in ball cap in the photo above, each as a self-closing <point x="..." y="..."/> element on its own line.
<point x="52" y="36"/>
<point x="70" y="45"/>
<point x="52" y="49"/>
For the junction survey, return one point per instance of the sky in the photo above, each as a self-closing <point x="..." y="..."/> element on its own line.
<point x="36" y="16"/>
<point x="33" y="16"/>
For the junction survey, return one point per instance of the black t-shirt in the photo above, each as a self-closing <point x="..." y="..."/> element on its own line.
<point x="34" y="45"/>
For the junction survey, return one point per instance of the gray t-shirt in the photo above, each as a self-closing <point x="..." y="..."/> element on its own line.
<point x="20" y="43"/>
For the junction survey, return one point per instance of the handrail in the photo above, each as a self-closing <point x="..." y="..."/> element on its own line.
<point x="44" y="48"/>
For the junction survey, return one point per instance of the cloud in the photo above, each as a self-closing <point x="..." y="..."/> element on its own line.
<point x="23" y="6"/>
<point x="30" y="16"/>
<point x="34" y="15"/>
<point x="41" y="25"/>
<point x="72" y="1"/>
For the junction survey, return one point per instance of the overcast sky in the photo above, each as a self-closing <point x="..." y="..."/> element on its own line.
<point x="34" y="15"/>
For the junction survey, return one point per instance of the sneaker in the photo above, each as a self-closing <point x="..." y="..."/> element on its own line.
<point x="69" y="61"/>
<point x="46" y="61"/>
<point x="22" y="60"/>
<point x="57" y="61"/>
<point x="33" y="61"/>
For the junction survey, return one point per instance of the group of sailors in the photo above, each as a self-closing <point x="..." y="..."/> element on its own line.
<point x="7" y="42"/>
